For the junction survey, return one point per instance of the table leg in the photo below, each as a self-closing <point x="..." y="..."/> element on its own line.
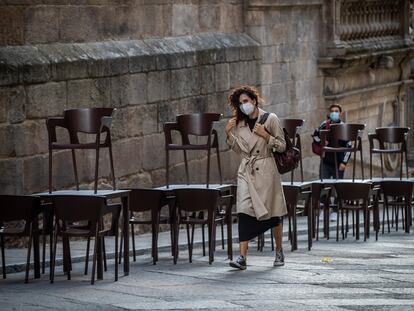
<point x="229" y="232"/>
<point x="125" y="213"/>
<point x="99" y="265"/>
<point x="311" y="216"/>
<point x="36" y="249"/>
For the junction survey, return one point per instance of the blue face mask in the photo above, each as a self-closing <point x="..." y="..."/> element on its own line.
<point x="334" y="116"/>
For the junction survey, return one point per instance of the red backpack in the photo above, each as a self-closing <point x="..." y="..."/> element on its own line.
<point x="316" y="147"/>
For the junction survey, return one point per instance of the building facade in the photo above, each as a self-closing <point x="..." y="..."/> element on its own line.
<point x="155" y="59"/>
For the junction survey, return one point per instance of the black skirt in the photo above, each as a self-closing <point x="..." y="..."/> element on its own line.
<point x="250" y="227"/>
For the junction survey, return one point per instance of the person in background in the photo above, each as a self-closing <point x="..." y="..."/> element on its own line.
<point x="260" y="199"/>
<point x="329" y="169"/>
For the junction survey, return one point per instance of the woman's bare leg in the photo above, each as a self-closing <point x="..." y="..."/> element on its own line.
<point x="244" y="246"/>
<point x="278" y="234"/>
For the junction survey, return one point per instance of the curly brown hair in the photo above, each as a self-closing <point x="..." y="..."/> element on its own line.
<point x="234" y="99"/>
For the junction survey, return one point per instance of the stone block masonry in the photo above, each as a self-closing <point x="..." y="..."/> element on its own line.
<point x="148" y="81"/>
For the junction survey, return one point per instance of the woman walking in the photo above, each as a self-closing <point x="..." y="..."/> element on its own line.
<point x="260" y="200"/>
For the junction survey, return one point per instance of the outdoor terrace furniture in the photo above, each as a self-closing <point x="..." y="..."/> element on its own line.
<point x="189" y="201"/>
<point x="21" y="208"/>
<point x="188" y="125"/>
<point x="342" y="132"/>
<point x="92" y="121"/>
<point x="123" y="195"/>
<point x="292" y="127"/>
<point x="388" y="138"/>
<point x="356" y="196"/>
<point x="149" y="200"/>
<point x="225" y="204"/>
<point x="398" y="195"/>
<point x="90" y="209"/>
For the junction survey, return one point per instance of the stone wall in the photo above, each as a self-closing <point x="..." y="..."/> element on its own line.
<point x="148" y="81"/>
<point x="155" y="59"/>
<point x="47" y="21"/>
<point x="291" y="82"/>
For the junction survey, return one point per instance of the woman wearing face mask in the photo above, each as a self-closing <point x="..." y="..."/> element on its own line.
<point x="329" y="170"/>
<point x="260" y="200"/>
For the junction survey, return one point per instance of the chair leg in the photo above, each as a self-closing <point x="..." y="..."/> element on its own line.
<point x="75" y="169"/>
<point x="133" y="242"/>
<point x="176" y="241"/>
<point x="104" y="254"/>
<point x="43" y="249"/>
<point x="370" y="164"/>
<point x="337" y="228"/>
<point x="342" y="224"/>
<point x="155" y="231"/>
<point x="190" y="249"/>
<point x="186" y="167"/>
<point x="50" y="253"/>
<point x="95" y="251"/>
<point x="95" y="188"/>
<point x="272" y="240"/>
<point x="50" y="169"/>
<point x="111" y="162"/>
<point x="222" y="234"/>
<point x="88" y="243"/>
<point x="208" y="166"/>
<point x="120" y="247"/>
<point x="53" y="263"/>
<point x="3" y="257"/>
<point x="357" y="224"/>
<point x="167" y="168"/>
<point x="203" y="238"/>
<point x="116" y="253"/>
<point x="219" y="165"/>
<point x="29" y="251"/>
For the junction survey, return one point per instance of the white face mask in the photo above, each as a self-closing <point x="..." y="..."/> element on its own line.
<point x="247" y="108"/>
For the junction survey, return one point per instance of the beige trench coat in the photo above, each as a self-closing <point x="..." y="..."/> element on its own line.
<point x="259" y="185"/>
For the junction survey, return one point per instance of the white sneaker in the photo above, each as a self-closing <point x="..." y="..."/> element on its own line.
<point x="333" y="217"/>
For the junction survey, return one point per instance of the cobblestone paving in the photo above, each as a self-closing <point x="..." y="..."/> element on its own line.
<point x="349" y="275"/>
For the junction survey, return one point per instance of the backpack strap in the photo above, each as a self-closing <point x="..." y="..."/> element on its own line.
<point x="264" y="118"/>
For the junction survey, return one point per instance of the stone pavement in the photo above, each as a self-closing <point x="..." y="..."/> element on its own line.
<point x="349" y="275"/>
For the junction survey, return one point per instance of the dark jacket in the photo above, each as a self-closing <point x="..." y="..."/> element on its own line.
<point x="329" y="159"/>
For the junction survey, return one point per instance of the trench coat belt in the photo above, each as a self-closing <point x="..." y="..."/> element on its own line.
<point x="250" y="161"/>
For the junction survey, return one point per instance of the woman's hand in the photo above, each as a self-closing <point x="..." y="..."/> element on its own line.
<point x="230" y="124"/>
<point x="260" y="130"/>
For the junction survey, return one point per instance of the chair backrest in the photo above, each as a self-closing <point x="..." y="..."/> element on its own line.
<point x="291" y="126"/>
<point x="291" y="194"/>
<point x="74" y="208"/>
<point x="141" y="200"/>
<point x="345" y="132"/>
<point x="393" y="135"/>
<point x="86" y="120"/>
<point x="353" y="191"/>
<point x="397" y="188"/>
<point x="19" y="207"/>
<point x="199" y="124"/>
<point x="193" y="200"/>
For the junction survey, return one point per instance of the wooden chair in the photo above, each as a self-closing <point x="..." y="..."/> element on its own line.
<point x="95" y="121"/>
<point x="397" y="194"/>
<point x="198" y="124"/>
<point x="19" y="208"/>
<point x="189" y="201"/>
<point x="338" y="133"/>
<point x="89" y="209"/>
<point x="149" y="200"/>
<point x="292" y="127"/>
<point x="386" y="136"/>
<point x="356" y="196"/>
